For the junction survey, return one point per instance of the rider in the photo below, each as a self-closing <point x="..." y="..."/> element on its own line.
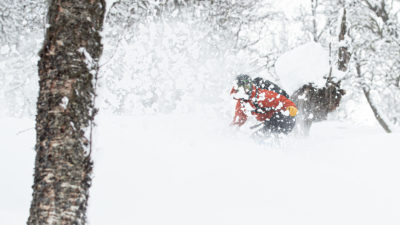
<point x="276" y="111"/>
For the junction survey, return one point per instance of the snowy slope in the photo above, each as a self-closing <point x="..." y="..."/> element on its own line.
<point x="195" y="169"/>
<point x="16" y="169"/>
<point x="190" y="170"/>
<point x="177" y="161"/>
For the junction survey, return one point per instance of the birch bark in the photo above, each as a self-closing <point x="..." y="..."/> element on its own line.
<point x="67" y="69"/>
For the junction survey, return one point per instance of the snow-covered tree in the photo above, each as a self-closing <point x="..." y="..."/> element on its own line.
<point x="316" y="99"/>
<point x="375" y="42"/>
<point x="21" y="34"/>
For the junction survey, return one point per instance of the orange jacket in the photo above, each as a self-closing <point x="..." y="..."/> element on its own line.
<point x="269" y="101"/>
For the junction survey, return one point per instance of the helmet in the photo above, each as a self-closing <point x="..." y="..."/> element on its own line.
<point x="244" y="81"/>
<point x="259" y="82"/>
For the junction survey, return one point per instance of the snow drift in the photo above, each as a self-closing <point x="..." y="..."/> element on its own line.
<point x="308" y="63"/>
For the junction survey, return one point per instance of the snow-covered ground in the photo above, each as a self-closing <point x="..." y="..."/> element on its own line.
<point x="174" y="159"/>
<point x="195" y="169"/>
<point x="16" y="169"/>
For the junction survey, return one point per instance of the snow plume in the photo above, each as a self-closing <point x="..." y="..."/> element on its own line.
<point x="169" y="64"/>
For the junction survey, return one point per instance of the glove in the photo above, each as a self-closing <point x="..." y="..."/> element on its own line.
<point x="292" y="110"/>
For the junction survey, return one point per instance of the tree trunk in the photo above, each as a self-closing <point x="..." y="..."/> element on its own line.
<point x="65" y="109"/>
<point x="371" y="104"/>
<point x="344" y="55"/>
<point x="314" y="5"/>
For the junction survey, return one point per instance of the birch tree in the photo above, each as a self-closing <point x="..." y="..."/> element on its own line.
<point x="65" y="109"/>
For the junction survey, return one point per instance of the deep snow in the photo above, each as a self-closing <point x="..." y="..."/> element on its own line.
<point x="196" y="169"/>
<point x="183" y="164"/>
<point x="304" y="64"/>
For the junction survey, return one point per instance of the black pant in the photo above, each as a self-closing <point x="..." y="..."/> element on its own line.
<point x="279" y="124"/>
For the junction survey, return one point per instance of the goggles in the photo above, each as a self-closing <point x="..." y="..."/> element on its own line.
<point x="247" y="86"/>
